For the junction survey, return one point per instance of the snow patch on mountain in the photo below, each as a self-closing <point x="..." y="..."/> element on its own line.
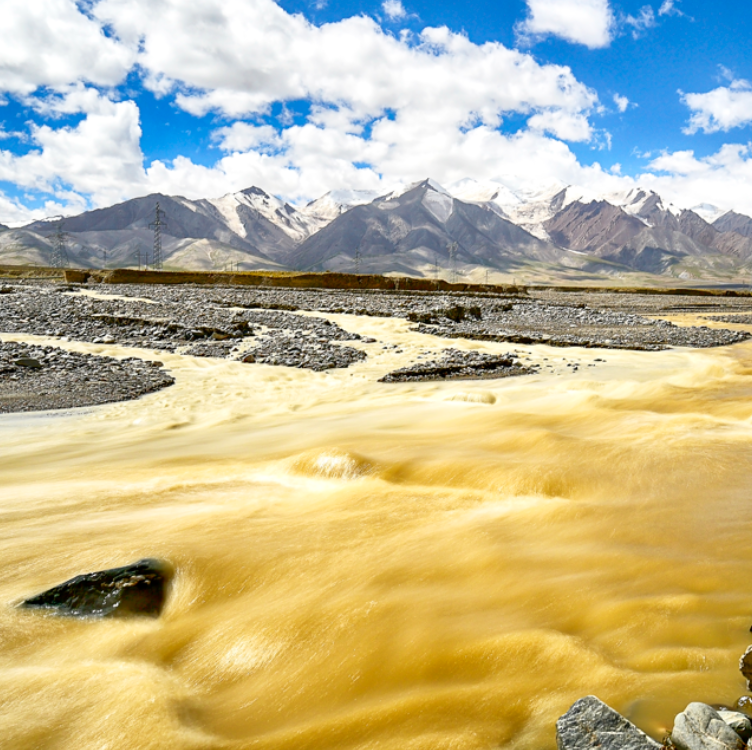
<point x="293" y="223"/>
<point x="439" y="204"/>
<point x="328" y="207"/>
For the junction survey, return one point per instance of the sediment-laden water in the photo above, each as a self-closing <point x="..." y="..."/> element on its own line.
<point x="399" y="566"/>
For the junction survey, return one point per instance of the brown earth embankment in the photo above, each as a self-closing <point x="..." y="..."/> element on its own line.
<point x="281" y="279"/>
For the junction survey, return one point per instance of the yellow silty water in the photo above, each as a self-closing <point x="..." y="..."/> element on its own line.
<point x="400" y="566"/>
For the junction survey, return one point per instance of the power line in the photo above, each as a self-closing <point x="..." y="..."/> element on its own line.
<point x="157" y="225"/>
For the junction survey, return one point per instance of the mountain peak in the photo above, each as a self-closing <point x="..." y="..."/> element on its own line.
<point x="253" y="190"/>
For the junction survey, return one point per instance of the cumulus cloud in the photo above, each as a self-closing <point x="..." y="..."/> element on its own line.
<point x="100" y="156"/>
<point x="621" y="102"/>
<point x="568" y="127"/>
<point x="51" y="43"/>
<point x="722" y="178"/>
<point x="238" y="58"/>
<point x="723" y="108"/>
<point x="394" y="9"/>
<point x="588" y="22"/>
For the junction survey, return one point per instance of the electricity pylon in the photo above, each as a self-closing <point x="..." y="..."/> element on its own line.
<point x="157" y="225"/>
<point x="59" y="244"/>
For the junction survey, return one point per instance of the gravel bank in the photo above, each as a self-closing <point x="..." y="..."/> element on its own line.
<point x="39" y="378"/>
<point x="459" y="365"/>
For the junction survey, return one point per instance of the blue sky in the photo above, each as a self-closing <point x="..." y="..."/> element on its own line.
<point x="103" y="100"/>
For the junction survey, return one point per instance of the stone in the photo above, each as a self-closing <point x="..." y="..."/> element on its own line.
<point x="31" y="364"/>
<point x="700" y="727"/>
<point x="739" y="722"/>
<point x="592" y="725"/>
<point x="745" y="665"/>
<point x="137" y="589"/>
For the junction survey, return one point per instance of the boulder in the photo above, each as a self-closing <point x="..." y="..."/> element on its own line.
<point x="32" y="364"/>
<point x="739" y="722"/>
<point x="590" y="724"/>
<point x="700" y="727"/>
<point x="745" y="665"/>
<point x="137" y="589"/>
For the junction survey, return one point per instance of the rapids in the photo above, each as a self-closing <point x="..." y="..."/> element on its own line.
<point x="424" y="566"/>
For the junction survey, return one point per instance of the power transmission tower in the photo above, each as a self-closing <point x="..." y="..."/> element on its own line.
<point x="157" y="225"/>
<point x="59" y="244"/>
<point x="357" y="260"/>
<point x="453" y="263"/>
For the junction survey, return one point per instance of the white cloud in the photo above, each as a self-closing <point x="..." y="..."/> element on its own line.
<point x="621" y="102"/>
<point x="668" y="8"/>
<point x="588" y="22"/>
<point x="568" y="127"/>
<point x="51" y="43"/>
<point x="394" y="9"/>
<point x="100" y="156"/>
<point x="644" y="20"/>
<point x="240" y="136"/>
<point x="239" y="57"/>
<point x="722" y="178"/>
<point x="720" y="109"/>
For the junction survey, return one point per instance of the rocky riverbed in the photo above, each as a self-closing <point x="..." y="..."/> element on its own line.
<point x="39" y="378"/>
<point x="289" y="328"/>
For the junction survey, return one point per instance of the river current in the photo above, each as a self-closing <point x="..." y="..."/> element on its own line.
<point x="425" y="566"/>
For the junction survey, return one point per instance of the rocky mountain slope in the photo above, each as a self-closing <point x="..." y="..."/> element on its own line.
<point x="469" y="230"/>
<point x="417" y="230"/>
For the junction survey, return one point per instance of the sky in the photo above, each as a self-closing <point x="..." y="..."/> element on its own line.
<point x="105" y="100"/>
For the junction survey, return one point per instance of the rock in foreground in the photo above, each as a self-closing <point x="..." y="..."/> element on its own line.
<point x="137" y="589"/>
<point x="745" y="665"/>
<point x="591" y="724"/>
<point x="700" y="727"/>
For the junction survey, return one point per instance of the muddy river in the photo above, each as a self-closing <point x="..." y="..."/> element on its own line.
<point x="426" y="566"/>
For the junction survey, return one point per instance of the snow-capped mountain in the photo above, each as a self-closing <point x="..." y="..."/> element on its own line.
<point x="238" y="209"/>
<point x="415" y="229"/>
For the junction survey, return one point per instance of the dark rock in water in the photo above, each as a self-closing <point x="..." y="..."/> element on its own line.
<point x="137" y="589"/>
<point x="745" y="665"/>
<point x="32" y="364"/>
<point x="590" y="724"/>
<point x="700" y="727"/>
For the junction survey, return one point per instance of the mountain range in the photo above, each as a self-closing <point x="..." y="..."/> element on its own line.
<point x="469" y="231"/>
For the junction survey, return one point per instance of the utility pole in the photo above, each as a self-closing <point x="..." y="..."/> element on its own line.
<point x="157" y="225"/>
<point x="138" y="255"/>
<point x="105" y="259"/>
<point x="59" y="244"/>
